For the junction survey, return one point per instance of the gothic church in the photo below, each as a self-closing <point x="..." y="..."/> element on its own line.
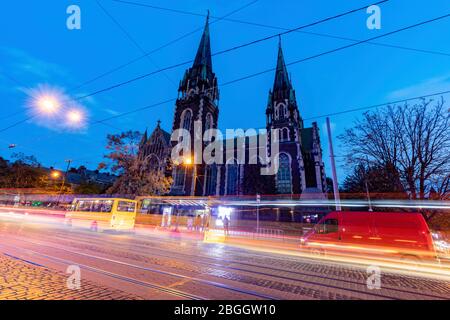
<point x="301" y="169"/>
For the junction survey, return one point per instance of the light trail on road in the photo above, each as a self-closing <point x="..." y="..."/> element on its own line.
<point x="204" y="270"/>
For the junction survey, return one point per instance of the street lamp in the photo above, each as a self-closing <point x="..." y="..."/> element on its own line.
<point x="47" y="104"/>
<point x="75" y="117"/>
<point x="69" y="161"/>
<point x="187" y="161"/>
<point x="55" y="174"/>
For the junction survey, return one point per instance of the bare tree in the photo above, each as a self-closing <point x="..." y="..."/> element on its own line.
<point x="412" y="143"/>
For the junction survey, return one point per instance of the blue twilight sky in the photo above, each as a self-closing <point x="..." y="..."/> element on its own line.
<point x="38" y="51"/>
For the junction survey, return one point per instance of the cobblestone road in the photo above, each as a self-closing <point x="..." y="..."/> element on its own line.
<point x="21" y="280"/>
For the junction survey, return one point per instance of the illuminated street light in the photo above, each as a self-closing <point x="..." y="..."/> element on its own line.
<point x="75" y="117"/>
<point x="187" y="161"/>
<point x="48" y="104"/>
<point x="55" y="174"/>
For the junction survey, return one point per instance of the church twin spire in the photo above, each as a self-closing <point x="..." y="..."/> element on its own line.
<point x="283" y="94"/>
<point x="282" y="81"/>
<point x="203" y="59"/>
<point x="201" y="76"/>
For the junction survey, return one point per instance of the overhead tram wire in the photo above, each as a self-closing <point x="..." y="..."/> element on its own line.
<point x="379" y="105"/>
<point x="120" y="67"/>
<point x="18" y="112"/>
<point x="17" y="123"/>
<point x="287" y="64"/>
<point x="227" y="50"/>
<point x="340" y="48"/>
<point x="272" y="69"/>
<point x="131" y="38"/>
<point x="104" y="74"/>
<point x="12" y="79"/>
<point x="295" y="62"/>
<point x="263" y="25"/>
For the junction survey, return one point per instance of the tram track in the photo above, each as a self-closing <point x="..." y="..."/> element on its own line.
<point x="66" y="262"/>
<point x="195" y="259"/>
<point x="142" y="268"/>
<point x="290" y="279"/>
<point x="143" y="247"/>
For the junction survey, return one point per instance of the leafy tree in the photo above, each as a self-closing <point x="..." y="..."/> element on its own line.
<point x="137" y="176"/>
<point x="89" y="188"/>
<point x="137" y="181"/>
<point x="122" y="149"/>
<point x="25" y="172"/>
<point x="25" y="160"/>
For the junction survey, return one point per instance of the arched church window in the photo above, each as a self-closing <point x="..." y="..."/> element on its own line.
<point x="186" y="119"/>
<point x="211" y="176"/>
<point x="178" y="176"/>
<point x="153" y="162"/>
<point x="284" y="136"/>
<point x="232" y="181"/>
<point x="284" y="178"/>
<point x="209" y="121"/>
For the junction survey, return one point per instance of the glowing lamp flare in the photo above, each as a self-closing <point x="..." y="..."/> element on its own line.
<point x="75" y="116"/>
<point x="48" y="104"/>
<point x="55" y="174"/>
<point x="187" y="161"/>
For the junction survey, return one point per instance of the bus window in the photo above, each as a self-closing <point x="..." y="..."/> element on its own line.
<point x="94" y="206"/>
<point x="126" y="206"/>
<point x="84" y="206"/>
<point x="102" y="206"/>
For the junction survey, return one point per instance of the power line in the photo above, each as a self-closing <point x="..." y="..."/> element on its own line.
<point x="283" y="28"/>
<point x="17" y="123"/>
<point x="18" y="112"/>
<point x="287" y="64"/>
<point x="272" y="69"/>
<point x="128" y="35"/>
<point x="227" y="50"/>
<point x="11" y="115"/>
<point x="115" y="69"/>
<point x="378" y="105"/>
<point x="18" y="83"/>
<point x="104" y="74"/>
<point x="340" y="48"/>
<point x="161" y="8"/>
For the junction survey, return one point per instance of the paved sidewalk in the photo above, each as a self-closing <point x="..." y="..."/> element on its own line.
<point x="23" y="281"/>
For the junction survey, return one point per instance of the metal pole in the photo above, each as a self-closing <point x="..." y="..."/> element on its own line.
<point x="367" y="187"/>
<point x="258" y="199"/>
<point x="333" y="169"/>
<point x="69" y="161"/>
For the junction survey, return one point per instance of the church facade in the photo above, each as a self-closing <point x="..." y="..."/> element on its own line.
<point x="301" y="169"/>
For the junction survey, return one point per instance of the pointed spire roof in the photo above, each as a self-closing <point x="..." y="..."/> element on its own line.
<point x="282" y="80"/>
<point x="144" y="138"/>
<point x="203" y="57"/>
